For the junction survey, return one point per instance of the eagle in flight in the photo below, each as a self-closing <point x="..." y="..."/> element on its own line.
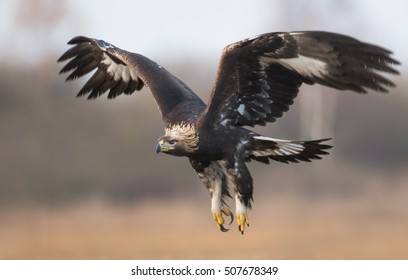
<point x="258" y="78"/>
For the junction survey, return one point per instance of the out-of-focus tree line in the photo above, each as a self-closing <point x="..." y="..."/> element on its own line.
<point x="57" y="148"/>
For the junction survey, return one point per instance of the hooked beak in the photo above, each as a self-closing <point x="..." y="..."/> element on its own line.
<point x="159" y="147"/>
<point x="163" y="147"/>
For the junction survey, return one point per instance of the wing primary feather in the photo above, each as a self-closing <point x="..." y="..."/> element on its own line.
<point x="78" y="62"/>
<point x="118" y="89"/>
<point x="74" y="51"/>
<point x="92" y="83"/>
<point x="80" y="39"/>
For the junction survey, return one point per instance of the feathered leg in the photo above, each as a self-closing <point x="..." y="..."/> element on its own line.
<point x="213" y="177"/>
<point x="241" y="181"/>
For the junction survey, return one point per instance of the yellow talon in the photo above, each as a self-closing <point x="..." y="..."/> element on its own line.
<point x="242" y="220"/>
<point x="219" y="219"/>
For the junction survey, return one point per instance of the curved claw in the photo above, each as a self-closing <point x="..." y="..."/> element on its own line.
<point x="223" y="229"/>
<point x="219" y="219"/>
<point x="227" y="212"/>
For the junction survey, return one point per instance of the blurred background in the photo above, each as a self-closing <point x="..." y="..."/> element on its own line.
<point x="81" y="180"/>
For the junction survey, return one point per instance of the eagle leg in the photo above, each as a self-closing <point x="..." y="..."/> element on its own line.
<point x="213" y="177"/>
<point x="241" y="212"/>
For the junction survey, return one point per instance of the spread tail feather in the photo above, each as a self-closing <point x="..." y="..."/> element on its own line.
<point x="266" y="148"/>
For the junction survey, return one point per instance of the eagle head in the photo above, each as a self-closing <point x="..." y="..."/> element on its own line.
<point x="179" y="140"/>
<point x="170" y="146"/>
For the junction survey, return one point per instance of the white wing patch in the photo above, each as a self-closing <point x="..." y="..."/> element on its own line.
<point x="283" y="147"/>
<point x="118" y="71"/>
<point x="306" y="66"/>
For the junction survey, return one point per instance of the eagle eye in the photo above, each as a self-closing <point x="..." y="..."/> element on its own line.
<point x="172" y="142"/>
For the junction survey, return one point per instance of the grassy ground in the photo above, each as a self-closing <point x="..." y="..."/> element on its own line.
<point x="373" y="227"/>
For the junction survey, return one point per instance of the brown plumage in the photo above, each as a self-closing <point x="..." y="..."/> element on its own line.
<point x="258" y="79"/>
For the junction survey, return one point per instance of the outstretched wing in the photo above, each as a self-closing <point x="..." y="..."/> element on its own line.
<point x="119" y="71"/>
<point x="258" y="78"/>
<point x="113" y="73"/>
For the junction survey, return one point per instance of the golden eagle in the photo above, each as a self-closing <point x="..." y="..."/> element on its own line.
<point x="258" y="79"/>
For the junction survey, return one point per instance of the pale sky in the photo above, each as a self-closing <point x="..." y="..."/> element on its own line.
<point x="197" y="28"/>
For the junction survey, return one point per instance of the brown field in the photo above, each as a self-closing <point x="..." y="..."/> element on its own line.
<point x="373" y="226"/>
